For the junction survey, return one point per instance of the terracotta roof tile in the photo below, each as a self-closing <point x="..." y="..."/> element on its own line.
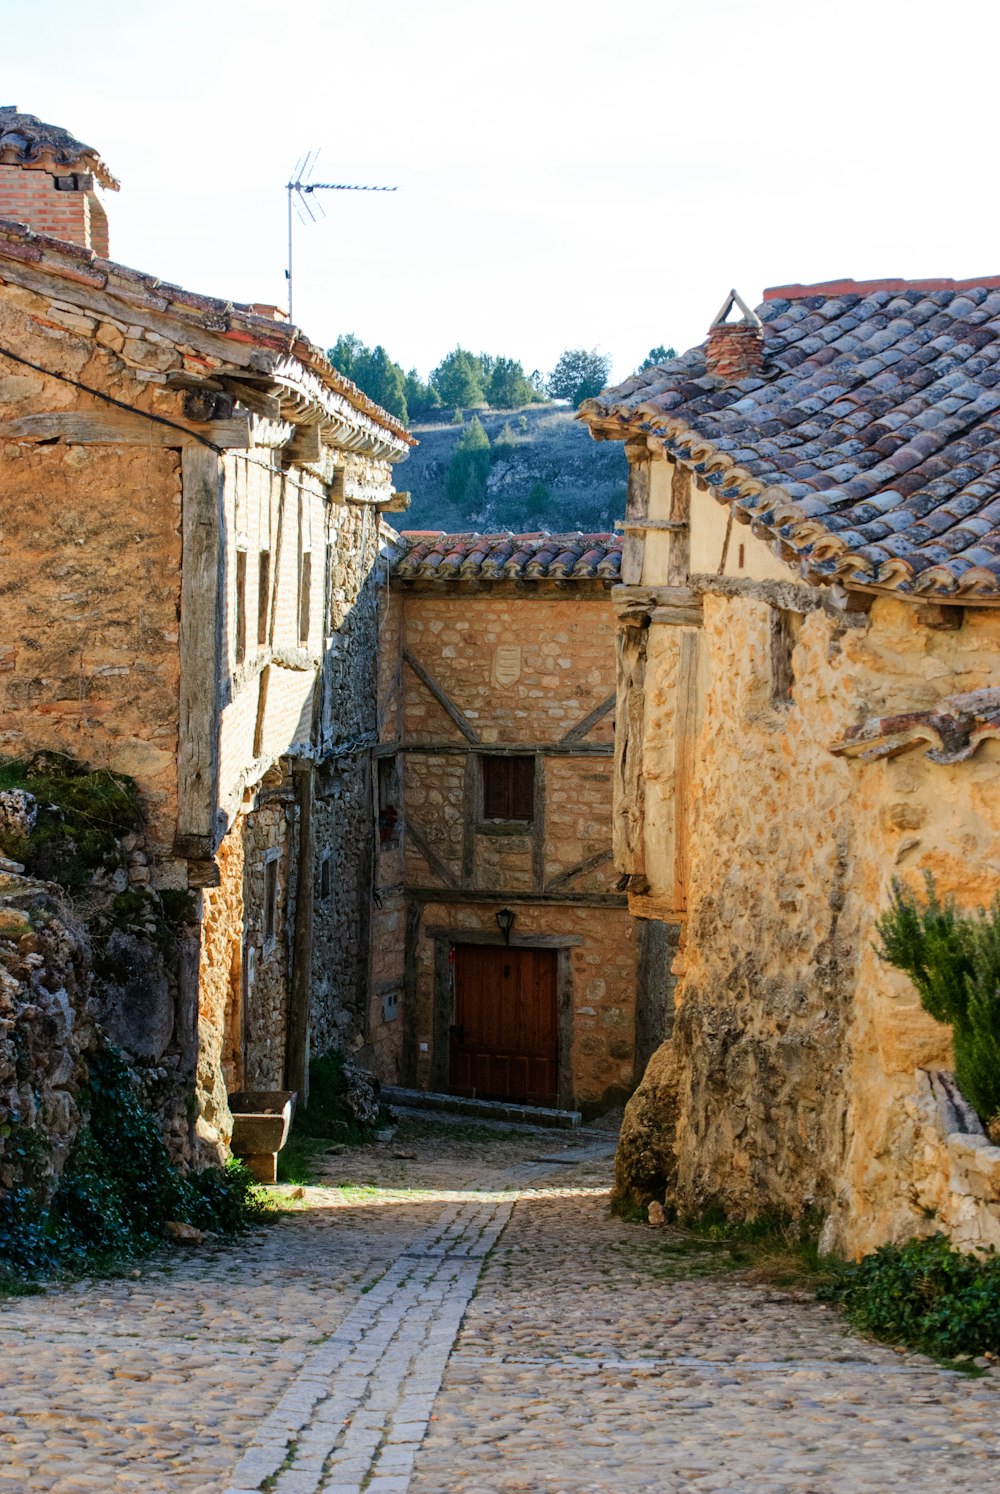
<point x="868" y="446"/>
<point x="233" y="322"/>
<point x="26" y="140"/>
<point x="508" y="557"/>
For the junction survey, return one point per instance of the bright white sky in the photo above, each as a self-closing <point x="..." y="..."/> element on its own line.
<point x="570" y="173"/>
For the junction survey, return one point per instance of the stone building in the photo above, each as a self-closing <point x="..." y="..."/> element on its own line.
<point x="191" y="500"/>
<point x="809" y="645"/>
<point x="495" y="763"/>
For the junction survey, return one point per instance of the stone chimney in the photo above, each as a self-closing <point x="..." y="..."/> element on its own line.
<point x="735" y="349"/>
<point x="52" y="182"/>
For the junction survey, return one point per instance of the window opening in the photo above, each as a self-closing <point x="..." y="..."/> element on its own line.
<point x="270" y="902"/>
<point x="241" y="606"/>
<point x="305" y="584"/>
<point x="388" y="800"/>
<point x="785" y="627"/>
<point x="263" y="593"/>
<point x="508" y="788"/>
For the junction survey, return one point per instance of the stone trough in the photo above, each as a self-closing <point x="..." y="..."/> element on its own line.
<point x="261" y="1121"/>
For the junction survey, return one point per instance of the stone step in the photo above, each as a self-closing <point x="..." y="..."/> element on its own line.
<point x="492" y="1110"/>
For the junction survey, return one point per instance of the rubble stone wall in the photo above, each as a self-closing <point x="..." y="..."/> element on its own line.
<point x="47" y="1026"/>
<point x="89" y="663"/>
<point x="797" y="1047"/>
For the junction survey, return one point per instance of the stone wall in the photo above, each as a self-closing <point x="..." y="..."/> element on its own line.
<point x="796" y="1045"/>
<point x="343" y="828"/>
<point x="47" y="1026"/>
<point x="935" y="1170"/>
<point x="89" y="663"/>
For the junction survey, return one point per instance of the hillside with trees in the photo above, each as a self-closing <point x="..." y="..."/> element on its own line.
<point x="499" y="448"/>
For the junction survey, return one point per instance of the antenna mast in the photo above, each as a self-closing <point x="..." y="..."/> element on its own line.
<point x="299" y="190"/>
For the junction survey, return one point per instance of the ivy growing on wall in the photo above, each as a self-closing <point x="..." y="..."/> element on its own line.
<point x="118" y="1189"/>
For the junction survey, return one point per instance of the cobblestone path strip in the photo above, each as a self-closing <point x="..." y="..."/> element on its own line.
<point x="359" y="1408"/>
<point x="470" y="1321"/>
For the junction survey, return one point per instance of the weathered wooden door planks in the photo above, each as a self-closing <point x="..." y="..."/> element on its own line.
<point x="504" y="1038"/>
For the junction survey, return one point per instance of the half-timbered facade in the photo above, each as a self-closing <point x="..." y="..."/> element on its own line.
<point x="508" y="949"/>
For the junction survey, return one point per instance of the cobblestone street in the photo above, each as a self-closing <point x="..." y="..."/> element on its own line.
<point x="468" y="1318"/>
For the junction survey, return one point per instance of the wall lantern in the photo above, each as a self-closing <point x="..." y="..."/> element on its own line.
<point x="505" y="922"/>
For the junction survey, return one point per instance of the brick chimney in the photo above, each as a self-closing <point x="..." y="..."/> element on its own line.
<point x="735" y="349"/>
<point x="52" y="182"/>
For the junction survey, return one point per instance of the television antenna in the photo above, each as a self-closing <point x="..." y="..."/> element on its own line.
<point x="300" y="191"/>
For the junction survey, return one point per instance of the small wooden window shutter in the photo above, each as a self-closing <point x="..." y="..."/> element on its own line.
<point x="523" y="788"/>
<point x="508" y="788"/>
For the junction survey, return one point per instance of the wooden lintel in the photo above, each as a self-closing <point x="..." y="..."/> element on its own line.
<point x="660" y="908"/>
<point x="494" y="936"/>
<point x="626" y="598"/>
<point x="687" y="616"/>
<point x="510" y="896"/>
<point x="506" y="749"/>
<point x="122" y="428"/>
<point x="639" y="526"/>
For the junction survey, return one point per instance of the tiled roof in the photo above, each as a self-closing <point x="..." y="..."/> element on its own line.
<point x="955" y="728"/>
<point x="432" y="555"/>
<point x="26" y="140"/>
<point x="235" y="324"/>
<point x="868" y="445"/>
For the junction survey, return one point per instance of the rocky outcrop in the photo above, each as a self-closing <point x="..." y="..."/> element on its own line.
<point x="46" y="1029"/>
<point x="646" y="1163"/>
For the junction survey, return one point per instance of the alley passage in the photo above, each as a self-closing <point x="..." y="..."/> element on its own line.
<point x="468" y="1319"/>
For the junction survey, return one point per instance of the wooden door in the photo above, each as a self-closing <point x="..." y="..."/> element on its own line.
<point x="504" y="1037"/>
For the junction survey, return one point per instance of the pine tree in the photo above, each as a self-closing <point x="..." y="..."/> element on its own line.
<point x="469" y="468"/>
<point x="458" y="380"/>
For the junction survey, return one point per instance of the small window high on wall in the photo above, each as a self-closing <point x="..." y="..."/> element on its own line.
<point x="305" y="588"/>
<point x="388" y="800"/>
<point x="241" y="606"/>
<point x="270" y="908"/>
<point x="263" y="593"/>
<point x="508" y="788"/>
<point x="785" y="627"/>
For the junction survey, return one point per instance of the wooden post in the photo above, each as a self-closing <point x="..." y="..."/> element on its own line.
<point x="636" y="507"/>
<point x="685" y="727"/>
<point x="629" y="791"/>
<point x="679" y="554"/>
<point x="297" y="1041"/>
<point x="202" y="598"/>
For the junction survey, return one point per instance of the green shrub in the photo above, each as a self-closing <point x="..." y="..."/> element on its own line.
<point x="953" y="959"/>
<point x="82" y="816"/>
<point x="924" y="1294"/>
<point x="117" y="1190"/>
